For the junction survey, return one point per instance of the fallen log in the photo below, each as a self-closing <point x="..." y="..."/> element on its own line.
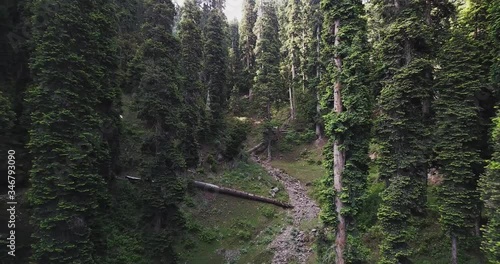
<point x="240" y="194"/>
<point x="256" y="148"/>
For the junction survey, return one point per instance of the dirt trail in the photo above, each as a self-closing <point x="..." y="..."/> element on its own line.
<point x="292" y="243"/>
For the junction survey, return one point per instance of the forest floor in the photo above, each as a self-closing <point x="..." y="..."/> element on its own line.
<point x="293" y="243"/>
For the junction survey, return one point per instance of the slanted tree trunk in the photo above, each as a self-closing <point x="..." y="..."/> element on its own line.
<point x="339" y="163"/>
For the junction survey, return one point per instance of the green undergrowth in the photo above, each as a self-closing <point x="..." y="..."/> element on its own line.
<point x="225" y="229"/>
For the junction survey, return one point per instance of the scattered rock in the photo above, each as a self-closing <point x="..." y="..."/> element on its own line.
<point x="290" y="244"/>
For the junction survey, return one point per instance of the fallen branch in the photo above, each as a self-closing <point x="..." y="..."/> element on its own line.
<point x="214" y="188"/>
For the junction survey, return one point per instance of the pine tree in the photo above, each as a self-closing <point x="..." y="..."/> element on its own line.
<point x="490" y="181"/>
<point x="315" y="65"/>
<point x="409" y="38"/>
<point x="348" y="124"/>
<point x="463" y="75"/>
<point x="192" y="55"/>
<point x="235" y="71"/>
<point x="291" y="49"/>
<point x="457" y="136"/>
<point x="72" y="103"/>
<point x="490" y="193"/>
<point x="247" y="42"/>
<point x="160" y="105"/>
<point x="267" y="85"/>
<point x="215" y="67"/>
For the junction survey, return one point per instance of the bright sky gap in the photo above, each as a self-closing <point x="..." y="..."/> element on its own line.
<point x="233" y="8"/>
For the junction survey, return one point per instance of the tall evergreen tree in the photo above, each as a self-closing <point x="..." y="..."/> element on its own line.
<point x="160" y="105"/>
<point x="215" y="67"/>
<point x="247" y="42"/>
<point x="291" y="49"/>
<point x="315" y="65"/>
<point x="192" y="55"/>
<point x="348" y="123"/>
<point x="490" y="181"/>
<point x="72" y="103"/>
<point x="458" y="130"/>
<point x="409" y="34"/>
<point x="463" y="75"/>
<point x="490" y="193"/>
<point x="235" y="74"/>
<point x="267" y="85"/>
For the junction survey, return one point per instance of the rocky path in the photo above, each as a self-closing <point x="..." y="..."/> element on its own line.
<point x="292" y="243"/>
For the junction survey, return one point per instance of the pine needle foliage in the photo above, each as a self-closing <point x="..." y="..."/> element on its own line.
<point x="160" y="105"/>
<point x="72" y="102"/>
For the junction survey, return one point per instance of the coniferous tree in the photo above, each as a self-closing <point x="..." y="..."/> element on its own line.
<point x="409" y="37"/>
<point x="490" y="193"/>
<point x="160" y="105"/>
<point x="247" y="42"/>
<point x="490" y="181"/>
<point x="192" y="55"/>
<point x="315" y="65"/>
<point x="215" y="67"/>
<point x="463" y="75"/>
<point x="235" y="71"/>
<point x="291" y="48"/>
<point x="457" y="136"/>
<point x="348" y="123"/>
<point x="72" y="105"/>
<point x="267" y="85"/>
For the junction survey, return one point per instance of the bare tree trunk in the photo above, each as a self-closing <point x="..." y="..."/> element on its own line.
<point x="269" y="156"/>
<point x="292" y="105"/>
<point x="454" y="250"/>
<point x="339" y="163"/>
<point x="477" y="225"/>
<point x="208" y="101"/>
<point x="269" y="132"/>
<point x="319" y="128"/>
<point x="302" y="66"/>
<point x="291" y="91"/>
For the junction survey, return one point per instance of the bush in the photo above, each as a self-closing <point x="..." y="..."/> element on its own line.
<point x="209" y="235"/>
<point x="236" y="133"/>
<point x="268" y="212"/>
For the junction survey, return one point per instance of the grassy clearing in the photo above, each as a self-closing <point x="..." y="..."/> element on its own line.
<point x="304" y="163"/>
<point x="226" y="229"/>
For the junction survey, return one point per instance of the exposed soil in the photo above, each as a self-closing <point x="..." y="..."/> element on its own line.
<point x="292" y="244"/>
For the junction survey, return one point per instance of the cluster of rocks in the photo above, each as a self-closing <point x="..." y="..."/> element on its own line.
<point x="293" y="244"/>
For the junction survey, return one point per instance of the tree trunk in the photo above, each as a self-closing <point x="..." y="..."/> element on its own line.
<point x="319" y="127"/>
<point x="269" y="156"/>
<point x="207" y="108"/>
<point x="240" y="194"/>
<point x="269" y="132"/>
<point x="339" y="162"/>
<point x="292" y="95"/>
<point x="454" y="250"/>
